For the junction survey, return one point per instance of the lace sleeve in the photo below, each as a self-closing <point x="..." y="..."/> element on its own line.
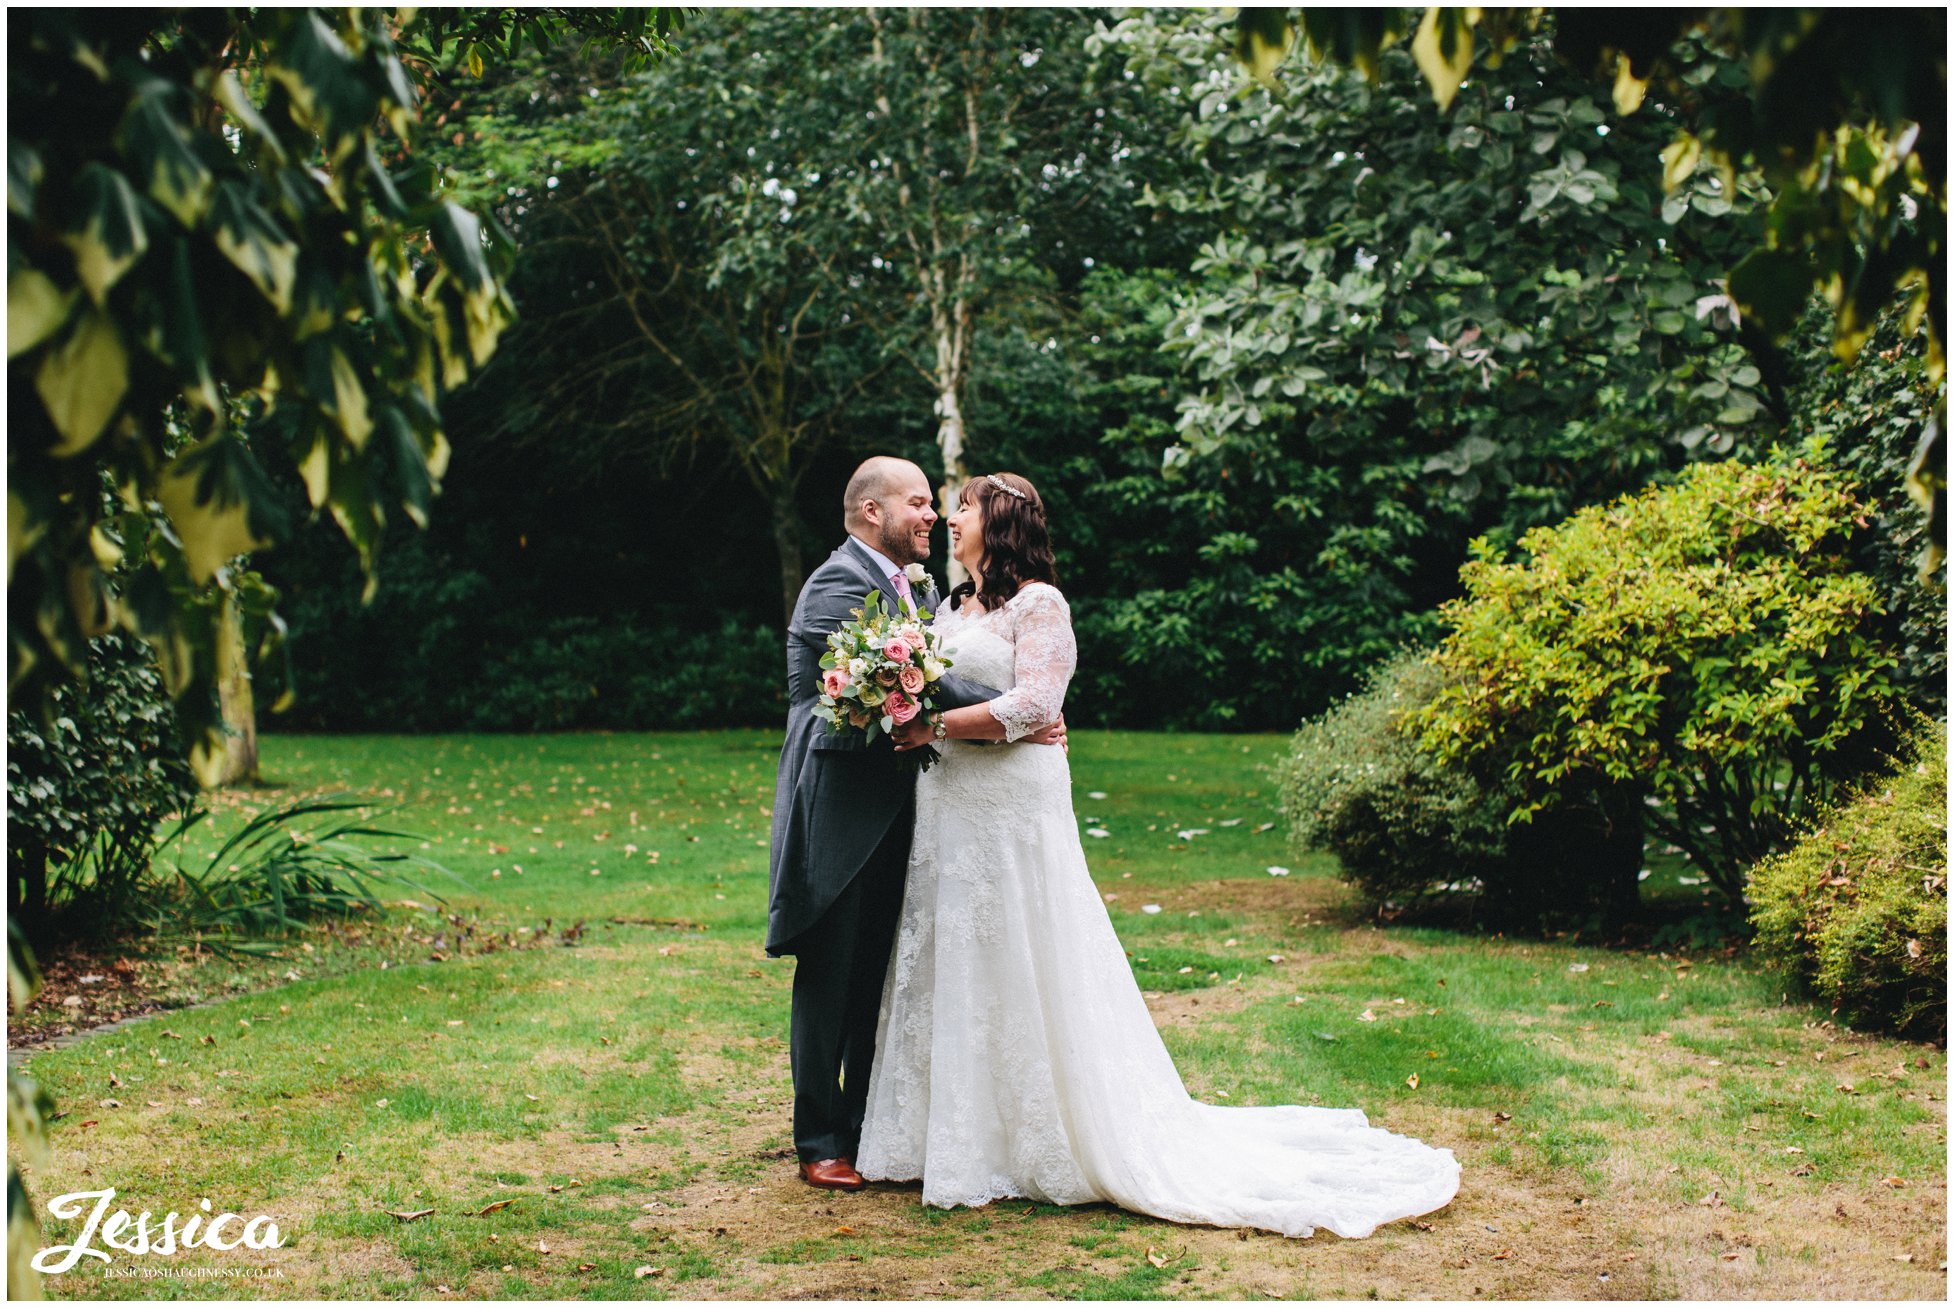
<point x="1045" y="659"/>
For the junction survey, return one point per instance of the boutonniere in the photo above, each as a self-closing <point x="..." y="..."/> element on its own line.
<point x="919" y="577"/>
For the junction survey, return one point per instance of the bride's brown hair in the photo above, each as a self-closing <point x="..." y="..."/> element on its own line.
<point x="1017" y="546"/>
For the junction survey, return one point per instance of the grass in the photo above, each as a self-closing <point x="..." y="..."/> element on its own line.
<point x="1619" y="1114"/>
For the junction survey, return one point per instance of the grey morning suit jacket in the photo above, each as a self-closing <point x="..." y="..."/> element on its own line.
<point x="834" y="798"/>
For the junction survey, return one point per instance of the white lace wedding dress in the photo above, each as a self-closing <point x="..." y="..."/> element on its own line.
<point x="1015" y="1055"/>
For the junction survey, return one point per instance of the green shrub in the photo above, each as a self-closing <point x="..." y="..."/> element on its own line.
<point x="1857" y="910"/>
<point x="86" y="791"/>
<point x="1707" y="646"/>
<point x="583" y="673"/>
<point x="1400" y="824"/>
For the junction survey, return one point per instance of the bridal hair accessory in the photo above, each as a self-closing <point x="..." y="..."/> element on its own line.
<point x="1000" y="483"/>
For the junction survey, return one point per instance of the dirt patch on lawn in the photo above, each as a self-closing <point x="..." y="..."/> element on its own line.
<point x="1508" y="1235"/>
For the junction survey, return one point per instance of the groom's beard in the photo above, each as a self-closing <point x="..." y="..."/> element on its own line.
<point x="899" y="546"/>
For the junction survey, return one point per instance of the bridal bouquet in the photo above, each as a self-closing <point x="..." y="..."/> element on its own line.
<point x="879" y="672"/>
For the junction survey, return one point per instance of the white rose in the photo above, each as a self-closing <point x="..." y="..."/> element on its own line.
<point x="918" y="575"/>
<point x="932" y="668"/>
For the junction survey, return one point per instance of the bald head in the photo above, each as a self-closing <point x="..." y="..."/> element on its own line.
<point x="881" y="479"/>
<point x="888" y="506"/>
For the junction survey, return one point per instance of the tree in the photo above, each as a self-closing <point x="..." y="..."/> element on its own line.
<point x="224" y="258"/>
<point x="680" y="287"/>
<point x="176" y="241"/>
<point x="1843" y="111"/>
<point x="1402" y="333"/>
<point x="728" y="266"/>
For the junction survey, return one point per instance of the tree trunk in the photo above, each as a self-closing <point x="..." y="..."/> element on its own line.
<point x="1621" y="851"/>
<point x="27" y="871"/>
<point x="235" y="703"/>
<point x="787" y="544"/>
<point x="949" y="440"/>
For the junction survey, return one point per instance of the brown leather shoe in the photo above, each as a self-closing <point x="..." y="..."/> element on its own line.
<point x="832" y="1174"/>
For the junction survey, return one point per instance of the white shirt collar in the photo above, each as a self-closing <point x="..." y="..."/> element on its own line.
<point x="889" y="569"/>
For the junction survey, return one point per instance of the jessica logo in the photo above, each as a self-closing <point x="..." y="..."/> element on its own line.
<point x="134" y="1234"/>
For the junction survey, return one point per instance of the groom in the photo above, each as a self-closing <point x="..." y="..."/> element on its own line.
<point x="842" y="815"/>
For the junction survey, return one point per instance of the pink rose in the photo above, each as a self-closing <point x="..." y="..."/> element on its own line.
<point x="911" y="679"/>
<point x="912" y="636"/>
<point x="834" y="682"/>
<point x="897" y="650"/>
<point x="901" y="708"/>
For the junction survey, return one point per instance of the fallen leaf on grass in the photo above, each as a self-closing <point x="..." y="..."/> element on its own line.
<point x="1502" y="1117"/>
<point x="1803" y="1169"/>
<point x="643" y="1272"/>
<point x="1893" y="1181"/>
<point x="586" y="1267"/>
<point x="1730" y="1255"/>
<point x="1902" y="1258"/>
<point x="1502" y="1254"/>
<point x="1412" y="1080"/>
<point x="408" y="1217"/>
<point x="1423" y="1226"/>
<point x="1710" y="1200"/>
<point x="844" y="1230"/>
<point x="499" y="1203"/>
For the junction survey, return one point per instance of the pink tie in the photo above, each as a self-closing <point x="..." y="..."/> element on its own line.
<point x="901" y="584"/>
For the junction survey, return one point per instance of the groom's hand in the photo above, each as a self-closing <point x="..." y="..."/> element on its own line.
<point x="913" y="734"/>
<point x="1052" y="735"/>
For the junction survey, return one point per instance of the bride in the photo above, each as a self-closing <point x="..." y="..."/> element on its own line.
<point x="1015" y="1056"/>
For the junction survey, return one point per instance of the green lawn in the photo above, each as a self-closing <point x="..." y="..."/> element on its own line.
<point x="1630" y="1125"/>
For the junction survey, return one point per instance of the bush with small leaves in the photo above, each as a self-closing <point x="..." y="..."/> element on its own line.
<point x="1400" y="824"/>
<point x="1857" y="910"/>
<point x="1707" y="648"/>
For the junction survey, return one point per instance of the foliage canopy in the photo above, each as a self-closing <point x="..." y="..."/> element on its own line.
<point x="1843" y="110"/>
